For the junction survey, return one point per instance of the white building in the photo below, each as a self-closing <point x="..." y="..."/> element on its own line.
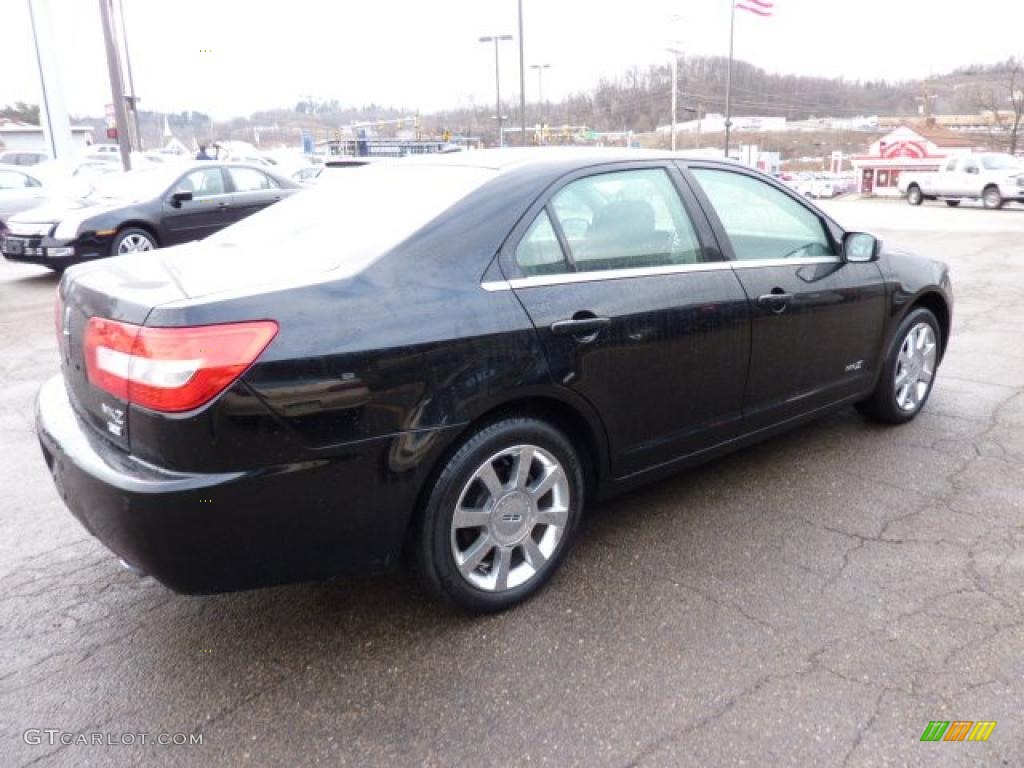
<point x="23" y="136"/>
<point x="714" y="122"/>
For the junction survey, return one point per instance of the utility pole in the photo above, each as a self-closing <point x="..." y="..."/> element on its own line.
<point x="927" y="100"/>
<point x="131" y="80"/>
<point x="497" y="82"/>
<point x="522" y="79"/>
<point x="116" y="84"/>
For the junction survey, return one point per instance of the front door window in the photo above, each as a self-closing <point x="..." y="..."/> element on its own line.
<point x="761" y="221"/>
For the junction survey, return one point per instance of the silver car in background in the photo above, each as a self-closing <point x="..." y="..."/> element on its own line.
<point x="20" y="189"/>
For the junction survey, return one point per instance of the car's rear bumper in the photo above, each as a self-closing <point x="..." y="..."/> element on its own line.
<point x="201" y="533"/>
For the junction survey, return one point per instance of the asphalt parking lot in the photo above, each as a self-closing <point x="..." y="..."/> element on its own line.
<point x="813" y="601"/>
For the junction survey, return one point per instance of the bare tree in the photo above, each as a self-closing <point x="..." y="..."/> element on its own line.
<point x="1006" y="102"/>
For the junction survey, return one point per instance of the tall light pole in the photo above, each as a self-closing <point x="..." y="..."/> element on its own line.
<point x="522" y="78"/>
<point x="497" y="81"/>
<point x="540" y="96"/>
<point x="53" y="116"/>
<point x="675" y="91"/>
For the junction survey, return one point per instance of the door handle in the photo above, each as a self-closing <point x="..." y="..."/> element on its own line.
<point x="586" y="326"/>
<point x="222" y="205"/>
<point x="776" y="301"/>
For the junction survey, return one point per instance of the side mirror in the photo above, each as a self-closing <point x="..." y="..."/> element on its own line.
<point x="860" y="246"/>
<point x="973" y="169"/>
<point x="180" y="196"/>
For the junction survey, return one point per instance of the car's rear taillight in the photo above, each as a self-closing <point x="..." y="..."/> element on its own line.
<point x="171" y="369"/>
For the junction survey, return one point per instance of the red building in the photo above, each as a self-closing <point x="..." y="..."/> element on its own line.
<point x="906" y="148"/>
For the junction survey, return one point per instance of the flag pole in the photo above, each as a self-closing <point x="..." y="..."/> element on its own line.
<point x="728" y="77"/>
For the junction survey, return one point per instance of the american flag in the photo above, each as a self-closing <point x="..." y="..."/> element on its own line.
<point x="760" y="7"/>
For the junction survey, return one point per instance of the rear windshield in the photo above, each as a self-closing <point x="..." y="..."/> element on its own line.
<point x="351" y="218"/>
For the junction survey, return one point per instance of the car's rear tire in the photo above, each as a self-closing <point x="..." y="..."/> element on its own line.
<point x="501" y="516"/>
<point x="952" y="203"/>
<point x="914" y="195"/>
<point x="992" y="198"/>
<point x="132" y="240"/>
<point x="908" y="372"/>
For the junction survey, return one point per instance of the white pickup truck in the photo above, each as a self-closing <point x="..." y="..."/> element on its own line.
<point x="993" y="178"/>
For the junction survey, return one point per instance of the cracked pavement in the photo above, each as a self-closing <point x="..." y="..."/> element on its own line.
<point x="815" y="600"/>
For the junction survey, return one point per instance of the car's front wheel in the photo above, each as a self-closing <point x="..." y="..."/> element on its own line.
<point x="132" y="240"/>
<point x="908" y="372"/>
<point x="501" y="515"/>
<point x="914" y="195"/>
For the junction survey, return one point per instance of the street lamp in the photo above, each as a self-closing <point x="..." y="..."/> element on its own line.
<point x="540" y="96"/>
<point x="497" y="80"/>
<point x="522" y="79"/>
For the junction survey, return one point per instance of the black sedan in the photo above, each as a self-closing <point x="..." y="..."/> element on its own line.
<point x="141" y="210"/>
<point x="457" y="354"/>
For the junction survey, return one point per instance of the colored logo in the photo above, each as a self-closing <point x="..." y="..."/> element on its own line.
<point x="958" y="730"/>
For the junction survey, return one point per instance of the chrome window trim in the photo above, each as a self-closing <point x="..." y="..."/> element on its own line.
<point x="751" y="263"/>
<point x="566" y="278"/>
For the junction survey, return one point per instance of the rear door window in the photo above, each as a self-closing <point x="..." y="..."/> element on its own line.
<point x="625" y="220"/>
<point x="539" y="252"/>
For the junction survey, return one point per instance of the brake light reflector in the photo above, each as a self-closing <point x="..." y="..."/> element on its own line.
<point x="171" y="369"/>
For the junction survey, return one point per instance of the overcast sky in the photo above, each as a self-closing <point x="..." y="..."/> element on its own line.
<point x="425" y="55"/>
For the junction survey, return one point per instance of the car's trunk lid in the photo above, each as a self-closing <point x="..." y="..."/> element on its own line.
<point x="124" y="289"/>
<point x="208" y="268"/>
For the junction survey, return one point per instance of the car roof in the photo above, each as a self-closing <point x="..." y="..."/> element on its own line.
<point x="525" y="157"/>
<point x="541" y="166"/>
<point x="197" y="164"/>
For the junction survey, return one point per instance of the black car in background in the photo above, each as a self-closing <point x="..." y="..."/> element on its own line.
<point x="438" y="361"/>
<point x="141" y="210"/>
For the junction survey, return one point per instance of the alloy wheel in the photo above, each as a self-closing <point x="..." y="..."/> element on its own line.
<point x="915" y="367"/>
<point x="510" y="518"/>
<point x="134" y="243"/>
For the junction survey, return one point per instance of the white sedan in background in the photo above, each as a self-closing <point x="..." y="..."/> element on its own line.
<point x="20" y="190"/>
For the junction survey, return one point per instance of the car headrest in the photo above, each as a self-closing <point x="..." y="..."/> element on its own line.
<point x="623" y="219"/>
